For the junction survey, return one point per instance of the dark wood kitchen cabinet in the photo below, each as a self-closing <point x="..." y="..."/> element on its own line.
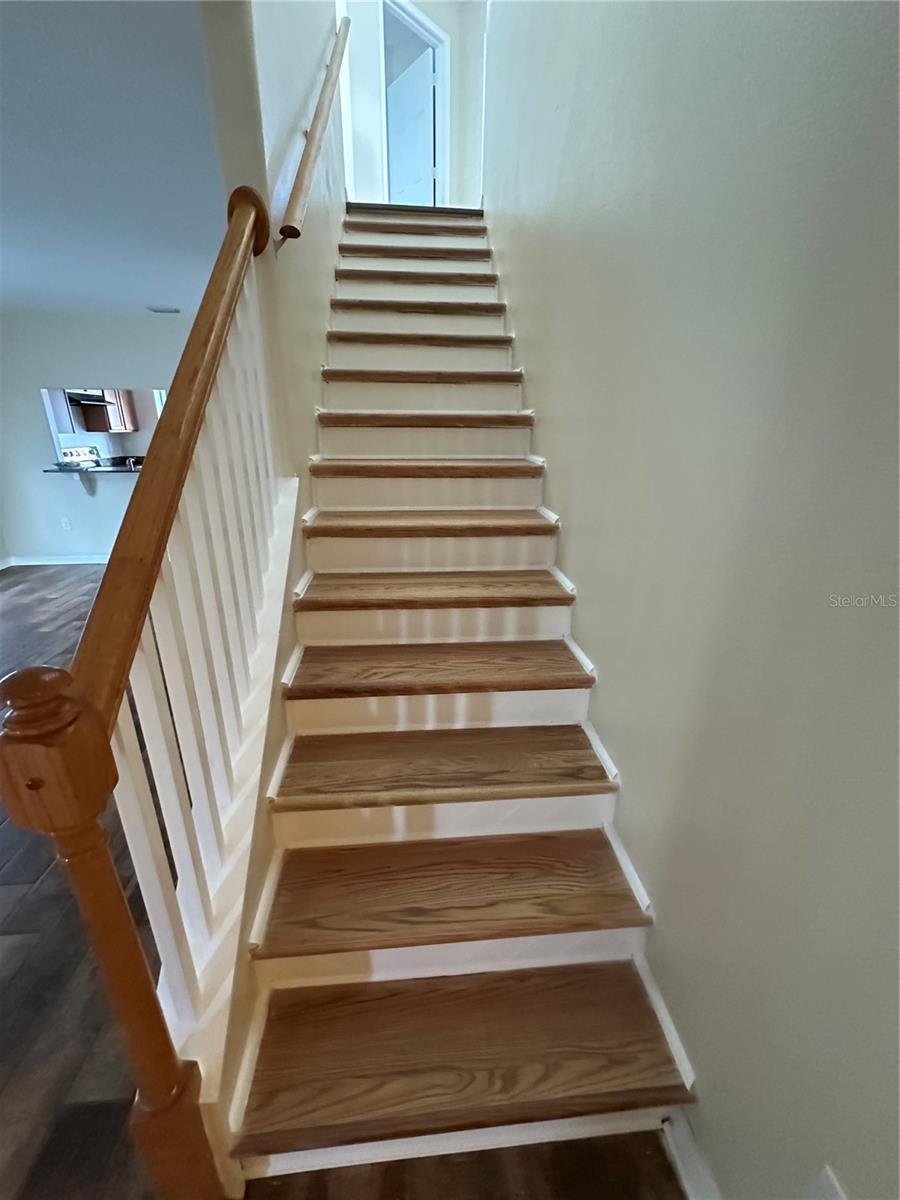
<point x="116" y="415"/>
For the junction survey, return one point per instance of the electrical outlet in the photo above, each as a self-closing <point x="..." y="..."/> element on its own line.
<point x="66" y="524"/>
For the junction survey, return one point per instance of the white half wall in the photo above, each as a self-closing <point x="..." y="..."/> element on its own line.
<point x="694" y="210"/>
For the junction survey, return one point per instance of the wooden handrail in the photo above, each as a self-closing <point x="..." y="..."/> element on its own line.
<point x="298" y="202"/>
<point x="110" y="638"/>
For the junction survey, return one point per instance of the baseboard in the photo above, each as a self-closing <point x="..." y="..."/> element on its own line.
<point x="52" y="560"/>
<point x="691" y="1167"/>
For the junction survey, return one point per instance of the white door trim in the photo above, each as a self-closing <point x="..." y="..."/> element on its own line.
<point x="439" y="40"/>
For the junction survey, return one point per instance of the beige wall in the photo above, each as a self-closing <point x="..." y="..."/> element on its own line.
<point x="694" y="209"/>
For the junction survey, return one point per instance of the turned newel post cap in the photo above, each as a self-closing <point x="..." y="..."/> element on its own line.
<point x="36" y="700"/>
<point x="56" y="766"/>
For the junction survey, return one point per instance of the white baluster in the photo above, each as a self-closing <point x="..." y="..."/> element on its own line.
<point x="241" y="413"/>
<point x="201" y="747"/>
<point x="233" y="461"/>
<point x="151" y="865"/>
<point x="161" y="744"/>
<point x="206" y="591"/>
<point x="238" y="539"/>
<point x="229" y="592"/>
<point x="261" y="358"/>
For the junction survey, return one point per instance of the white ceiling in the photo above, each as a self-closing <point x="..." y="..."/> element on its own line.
<point x="111" y="193"/>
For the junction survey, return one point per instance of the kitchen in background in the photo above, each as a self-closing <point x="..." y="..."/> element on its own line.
<point x="101" y="430"/>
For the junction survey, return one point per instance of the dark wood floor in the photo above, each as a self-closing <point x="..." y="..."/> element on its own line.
<point x="624" y="1167"/>
<point x="65" y="1086"/>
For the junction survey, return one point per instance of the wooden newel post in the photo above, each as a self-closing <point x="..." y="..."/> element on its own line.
<point x="56" y="775"/>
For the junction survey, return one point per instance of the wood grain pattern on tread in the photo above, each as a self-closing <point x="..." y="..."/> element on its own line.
<point x="422" y="228"/>
<point x="466" y="341"/>
<point x="469" y="522"/>
<point x="358" y="1062"/>
<point x="376" y="250"/>
<point x="347" y="898"/>
<point x="425" y="468"/>
<point x="393" y="375"/>
<point x="393" y="419"/>
<point x="431" y="668"/>
<point x="433" y="589"/>
<point x="426" y="210"/>
<point x="449" y="308"/>
<point x="433" y="766"/>
<point x="458" y="278"/>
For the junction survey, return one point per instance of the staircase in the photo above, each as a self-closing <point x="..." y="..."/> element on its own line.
<point x="450" y="935"/>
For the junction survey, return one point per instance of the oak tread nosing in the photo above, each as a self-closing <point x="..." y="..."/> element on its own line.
<point x="429" y="766"/>
<point x="502" y="522"/>
<point x="341" y="899"/>
<point x="419" y="419"/>
<point x="396" y="375"/>
<point x="358" y="1062"/>
<point x="426" y="278"/>
<point x="473" y="308"/>
<point x="435" y="668"/>
<point x="426" y="468"/>
<point x="433" y="589"/>
<point x="380" y="338"/>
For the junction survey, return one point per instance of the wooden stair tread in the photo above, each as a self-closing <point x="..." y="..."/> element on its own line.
<point x="433" y="589"/>
<point x="432" y="766"/>
<point x="378" y="250"/>
<point x="397" y="375"/>
<point x="469" y="522"/>
<point x="347" y="898"/>
<point x="425" y="468"/>
<point x="377" y="275"/>
<point x="431" y="668"/>
<point x="391" y="418"/>
<point x="460" y="340"/>
<point x="423" y="228"/>
<point x="358" y="206"/>
<point x="357" y="1062"/>
<point x="455" y="308"/>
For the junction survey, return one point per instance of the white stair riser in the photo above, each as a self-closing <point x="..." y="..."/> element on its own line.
<point x="468" y="818"/>
<point x="452" y="958"/>
<point x="467" y="397"/>
<point x="418" y="358"/>
<point x="367" y="493"/>
<point x="350" y="442"/>
<point x="368" y="289"/>
<point x="412" y="322"/>
<point x="395" y="626"/>
<point x="455" y="710"/>
<point x="430" y="553"/>
<point x="434" y="240"/>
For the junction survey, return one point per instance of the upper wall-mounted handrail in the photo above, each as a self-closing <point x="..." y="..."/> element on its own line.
<point x="113" y="630"/>
<point x="298" y="202"/>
